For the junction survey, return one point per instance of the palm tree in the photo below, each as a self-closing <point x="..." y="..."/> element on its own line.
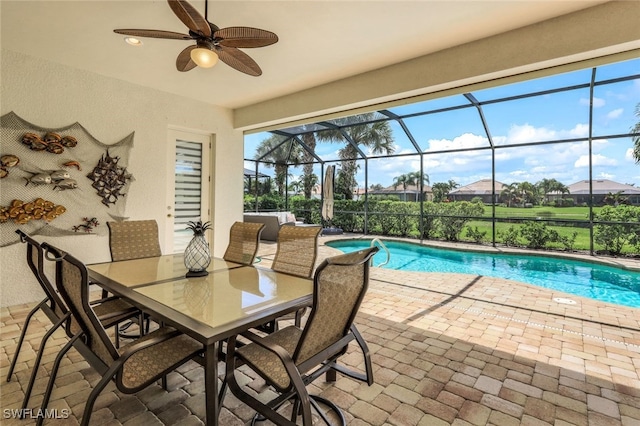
<point x="615" y="199"/>
<point x="420" y="178"/>
<point x="547" y="186"/>
<point x="636" y="139"/>
<point x="376" y="136"/>
<point x="295" y="187"/>
<point x="309" y="179"/>
<point x="403" y="180"/>
<point x="441" y="190"/>
<point x="278" y="155"/>
<point x="411" y="178"/>
<point x="510" y="193"/>
<point x="528" y="192"/>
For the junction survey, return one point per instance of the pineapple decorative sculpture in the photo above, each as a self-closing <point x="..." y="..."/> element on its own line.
<point x="197" y="255"/>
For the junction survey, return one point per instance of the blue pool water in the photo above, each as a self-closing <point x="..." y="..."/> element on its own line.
<point x="585" y="279"/>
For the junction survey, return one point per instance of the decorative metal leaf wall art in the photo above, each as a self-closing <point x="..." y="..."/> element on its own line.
<point x="31" y="171"/>
<point x="109" y="179"/>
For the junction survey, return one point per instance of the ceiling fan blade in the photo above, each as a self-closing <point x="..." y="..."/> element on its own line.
<point x="245" y="37"/>
<point x="154" y="34"/>
<point x="190" y="17"/>
<point x="239" y="60"/>
<point x="184" y="62"/>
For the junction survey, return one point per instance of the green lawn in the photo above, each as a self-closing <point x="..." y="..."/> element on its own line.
<point x="573" y="213"/>
<point x="581" y="242"/>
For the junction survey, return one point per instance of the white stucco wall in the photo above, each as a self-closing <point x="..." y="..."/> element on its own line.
<point x="52" y="95"/>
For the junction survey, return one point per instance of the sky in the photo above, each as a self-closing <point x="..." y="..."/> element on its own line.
<point x="563" y="115"/>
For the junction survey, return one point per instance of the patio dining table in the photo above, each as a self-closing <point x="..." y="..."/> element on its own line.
<point x="230" y="299"/>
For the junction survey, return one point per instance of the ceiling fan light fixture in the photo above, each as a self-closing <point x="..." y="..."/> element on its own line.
<point x="133" y="41"/>
<point x="203" y="57"/>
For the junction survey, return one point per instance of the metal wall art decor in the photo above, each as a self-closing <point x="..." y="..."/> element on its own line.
<point x="39" y="209"/>
<point x="109" y="179"/>
<point x="6" y="162"/>
<point x="61" y="179"/>
<point x="51" y="142"/>
<point x="51" y="164"/>
<point x="87" y="226"/>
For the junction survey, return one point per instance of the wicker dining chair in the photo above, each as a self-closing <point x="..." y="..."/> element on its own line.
<point x="135" y="365"/>
<point x="133" y="239"/>
<point x="296" y="255"/>
<point x="111" y="311"/>
<point x="244" y="240"/>
<point x="297" y="250"/>
<point x="291" y="358"/>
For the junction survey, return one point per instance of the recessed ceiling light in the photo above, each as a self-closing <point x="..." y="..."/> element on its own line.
<point x="133" y="41"/>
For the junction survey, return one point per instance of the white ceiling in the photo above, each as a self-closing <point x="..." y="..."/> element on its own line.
<point x="320" y="41"/>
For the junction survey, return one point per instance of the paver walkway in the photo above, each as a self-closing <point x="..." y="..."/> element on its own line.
<point x="447" y="349"/>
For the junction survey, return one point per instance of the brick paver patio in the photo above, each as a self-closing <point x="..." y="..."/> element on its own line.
<point x="447" y="349"/>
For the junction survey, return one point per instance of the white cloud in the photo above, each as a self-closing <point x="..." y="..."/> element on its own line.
<point x="603" y="175"/>
<point x="519" y="134"/>
<point x="466" y="140"/>
<point x="528" y="133"/>
<point x="579" y="131"/>
<point x="597" y="102"/>
<point x="598" y="160"/>
<point x="615" y="113"/>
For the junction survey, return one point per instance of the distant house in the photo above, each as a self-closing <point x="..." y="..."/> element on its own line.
<point x="412" y="193"/>
<point x="579" y="191"/>
<point x="482" y="188"/>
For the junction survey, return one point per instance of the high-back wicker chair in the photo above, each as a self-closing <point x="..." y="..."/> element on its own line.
<point x="134" y="366"/>
<point x="297" y="250"/>
<point x="112" y="311"/>
<point x="244" y="240"/>
<point x="133" y="239"/>
<point x="296" y="255"/>
<point x="291" y="358"/>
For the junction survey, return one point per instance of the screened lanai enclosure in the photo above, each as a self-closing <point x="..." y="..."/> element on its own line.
<point x="546" y="163"/>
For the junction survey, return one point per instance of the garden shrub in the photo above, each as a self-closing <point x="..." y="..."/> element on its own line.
<point x="249" y="202"/>
<point x="307" y="210"/>
<point x="270" y="202"/>
<point x="613" y="237"/>
<point x="454" y="216"/>
<point x="429" y="219"/>
<point x="346" y="215"/>
<point x="510" y="236"/>
<point x="405" y="219"/>
<point x="476" y="235"/>
<point x="387" y="218"/>
<point x="568" y="242"/>
<point x="537" y="235"/>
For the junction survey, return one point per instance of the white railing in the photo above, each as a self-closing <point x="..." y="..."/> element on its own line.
<point x="381" y="244"/>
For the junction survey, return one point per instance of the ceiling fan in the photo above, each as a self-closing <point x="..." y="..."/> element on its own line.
<point x="211" y="42"/>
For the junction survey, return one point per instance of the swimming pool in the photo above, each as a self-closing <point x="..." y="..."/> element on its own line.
<point x="596" y="281"/>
